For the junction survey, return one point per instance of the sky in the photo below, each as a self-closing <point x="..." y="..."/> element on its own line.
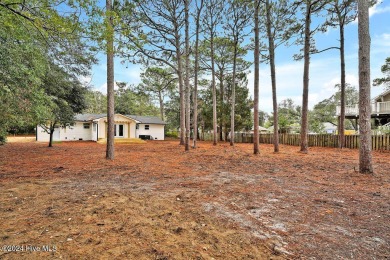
<point x="324" y="67"/>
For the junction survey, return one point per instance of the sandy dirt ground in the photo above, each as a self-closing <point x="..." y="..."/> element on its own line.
<point x="155" y="201"/>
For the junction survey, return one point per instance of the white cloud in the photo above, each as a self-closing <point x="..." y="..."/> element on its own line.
<point x="379" y="9"/>
<point x="103" y="88"/>
<point x="381" y="43"/>
<point x="134" y="74"/>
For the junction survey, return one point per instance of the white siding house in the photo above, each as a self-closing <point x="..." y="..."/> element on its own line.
<point x="92" y="127"/>
<point x="149" y="127"/>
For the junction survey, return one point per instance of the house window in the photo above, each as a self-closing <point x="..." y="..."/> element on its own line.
<point x="146" y="127"/>
<point x="137" y="126"/>
<point x="86" y="125"/>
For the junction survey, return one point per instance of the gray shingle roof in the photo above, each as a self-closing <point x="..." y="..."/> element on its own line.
<point x="88" y="117"/>
<point x="141" y="119"/>
<point x="147" y="119"/>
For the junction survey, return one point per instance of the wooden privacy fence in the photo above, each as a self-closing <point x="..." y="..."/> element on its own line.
<point x="379" y="142"/>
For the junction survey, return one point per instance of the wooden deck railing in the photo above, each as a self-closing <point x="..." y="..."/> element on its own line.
<point x="376" y="108"/>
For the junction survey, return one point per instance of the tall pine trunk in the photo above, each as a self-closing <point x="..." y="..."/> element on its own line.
<point x="221" y="104"/>
<point x="187" y="78"/>
<point x="271" y="49"/>
<point x="233" y="108"/>
<point x="365" y="156"/>
<point x="161" y="101"/>
<point x="256" y="149"/>
<point x="195" y="126"/>
<point x="181" y="87"/>
<point x="215" y="134"/>
<point x="342" y="89"/>
<point x="305" y="95"/>
<point x="110" y="83"/>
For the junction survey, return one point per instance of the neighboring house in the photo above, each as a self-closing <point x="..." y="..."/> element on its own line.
<point x="262" y="130"/>
<point x="330" y="128"/>
<point x="380" y="109"/>
<point x="93" y="127"/>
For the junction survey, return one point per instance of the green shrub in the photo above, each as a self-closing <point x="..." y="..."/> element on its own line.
<point x="172" y="134"/>
<point x="3" y="139"/>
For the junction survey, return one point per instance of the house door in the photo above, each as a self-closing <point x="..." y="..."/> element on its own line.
<point x="118" y="130"/>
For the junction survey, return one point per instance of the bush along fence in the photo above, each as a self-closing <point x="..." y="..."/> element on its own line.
<point x="379" y="142"/>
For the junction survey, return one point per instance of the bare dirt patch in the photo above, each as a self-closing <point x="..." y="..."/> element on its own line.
<point x="155" y="201"/>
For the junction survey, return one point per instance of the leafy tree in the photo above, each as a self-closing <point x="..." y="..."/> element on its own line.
<point x="66" y="99"/>
<point x="239" y="93"/>
<point x="385" y="81"/>
<point x="223" y="56"/>
<point x="263" y="117"/>
<point x="158" y="83"/>
<point x="243" y="118"/>
<point x="130" y="102"/>
<point x="289" y="115"/>
<point x="21" y="97"/>
<point x="60" y="34"/>
<point x="96" y="102"/>
<point x="365" y="156"/>
<point x="325" y="111"/>
<point x="34" y="38"/>
<point x="172" y="111"/>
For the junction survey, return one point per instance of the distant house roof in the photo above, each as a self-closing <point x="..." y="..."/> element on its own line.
<point x="262" y="129"/>
<point x="385" y="93"/>
<point x="88" y="117"/>
<point x="147" y="119"/>
<point x="329" y="126"/>
<point x="140" y="119"/>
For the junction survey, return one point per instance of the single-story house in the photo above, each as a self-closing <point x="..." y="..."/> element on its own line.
<point x="93" y="127"/>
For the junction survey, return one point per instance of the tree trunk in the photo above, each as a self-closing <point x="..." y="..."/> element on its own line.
<point x="215" y="134"/>
<point x="221" y="115"/>
<point x="256" y="149"/>
<point x="187" y="78"/>
<point x="51" y="132"/>
<point x="365" y="156"/>
<point x="271" y="49"/>
<point x="110" y="84"/>
<point x="195" y="126"/>
<point x="305" y="95"/>
<point x="342" y="90"/>
<point x="232" y="113"/>
<point x="181" y="88"/>
<point x="161" y="101"/>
